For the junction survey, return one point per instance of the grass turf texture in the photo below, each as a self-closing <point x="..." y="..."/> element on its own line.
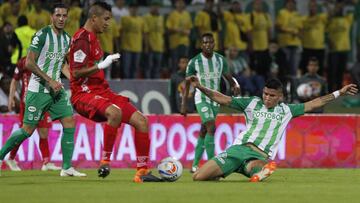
<point x="285" y="185"/>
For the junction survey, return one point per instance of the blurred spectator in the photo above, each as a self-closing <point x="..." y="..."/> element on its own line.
<point x="8" y="42"/>
<point x="355" y="69"/>
<point x="237" y="30"/>
<point x="250" y="83"/>
<point x="279" y="64"/>
<point x="109" y="41"/>
<point x="179" y="25"/>
<point x="156" y="28"/>
<point x="39" y="17"/>
<point x="177" y="86"/>
<point x="313" y="35"/>
<point x="73" y="22"/>
<point x="289" y="24"/>
<point x="119" y="10"/>
<point x="4" y="93"/>
<point x="133" y="29"/>
<point x="11" y="12"/>
<point x="24" y="32"/>
<point x="317" y="84"/>
<point x="260" y="36"/>
<point x="208" y="21"/>
<point x="338" y="29"/>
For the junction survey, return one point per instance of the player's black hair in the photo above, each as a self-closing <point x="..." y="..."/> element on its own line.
<point x="58" y="5"/>
<point x="22" y="20"/>
<point x="94" y="8"/>
<point x="208" y="34"/>
<point x="274" y="83"/>
<point x="313" y="59"/>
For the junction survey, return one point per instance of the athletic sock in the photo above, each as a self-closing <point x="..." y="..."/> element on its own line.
<point x="199" y="150"/>
<point x="109" y="141"/>
<point x="209" y="146"/>
<point x="15" y="139"/>
<point x="142" y="146"/>
<point x="13" y="152"/>
<point x="44" y="148"/>
<point x="67" y="146"/>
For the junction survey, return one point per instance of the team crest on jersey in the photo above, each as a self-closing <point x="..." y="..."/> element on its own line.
<point x="204" y="109"/>
<point x="32" y="108"/>
<point x="79" y="56"/>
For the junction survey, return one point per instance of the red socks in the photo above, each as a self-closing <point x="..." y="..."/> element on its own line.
<point x="44" y="148"/>
<point x="109" y="140"/>
<point x="142" y="146"/>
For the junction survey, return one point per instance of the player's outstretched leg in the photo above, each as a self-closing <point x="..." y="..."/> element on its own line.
<point x="265" y="172"/>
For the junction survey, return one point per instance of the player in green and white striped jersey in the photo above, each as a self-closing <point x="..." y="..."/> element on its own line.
<point x="208" y="66"/>
<point x="266" y="121"/>
<point x="45" y="92"/>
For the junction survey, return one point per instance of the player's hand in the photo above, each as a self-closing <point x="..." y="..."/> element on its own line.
<point x="236" y="90"/>
<point x="183" y="109"/>
<point x="11" y="104"/>
<point x="108" y="61"/>
<point x="55" y="85"/>
<point x="194" y="81"/>
<point x="349" y="89"/>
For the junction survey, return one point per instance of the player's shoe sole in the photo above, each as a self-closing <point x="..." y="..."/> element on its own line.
<point x="265" y="172"/>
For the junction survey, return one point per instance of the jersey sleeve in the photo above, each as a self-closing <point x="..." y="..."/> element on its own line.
<point x="37" y="41"/>
<point x="240" y="103"/>
<point x="297" y="109"/>
<point x="81" y="53"/>
<point x="225" y="66"/>
<point x="190" y="69"/>
<point x="17" y="74"/>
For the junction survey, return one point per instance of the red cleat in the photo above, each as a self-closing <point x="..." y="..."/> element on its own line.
<point x="265" y="172"/>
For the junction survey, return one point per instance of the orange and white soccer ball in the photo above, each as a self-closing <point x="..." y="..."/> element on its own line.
<point x="170" y="169"/>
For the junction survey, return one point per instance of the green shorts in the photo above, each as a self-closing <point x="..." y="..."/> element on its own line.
<point x="207" y="112"/>
<point x="36" y="104"/>
<point x="235" y="159"/>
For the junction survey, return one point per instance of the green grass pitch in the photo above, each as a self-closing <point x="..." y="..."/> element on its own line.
<point x="285" y="185"/>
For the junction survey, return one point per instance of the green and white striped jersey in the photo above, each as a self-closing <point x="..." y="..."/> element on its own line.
<point x="209" y="72"/>
<point x="264" y="127"/>
<point x="51" y="49"/>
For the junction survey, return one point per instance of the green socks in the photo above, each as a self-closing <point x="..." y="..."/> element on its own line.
<point x="199" y="150"/>
<point x="209" y="146"/>
<point x="15" y="139"/>
<point x="67" y="146"/>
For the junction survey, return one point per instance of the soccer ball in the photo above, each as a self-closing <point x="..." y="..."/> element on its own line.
<point x="304" y="90"/>
<point x="170" y="169"/>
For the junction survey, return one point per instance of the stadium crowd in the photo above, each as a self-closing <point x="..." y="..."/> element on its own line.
<point x="152" y="38"/>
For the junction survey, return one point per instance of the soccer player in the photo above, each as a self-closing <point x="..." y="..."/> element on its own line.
<point x="92" y="97"/>
<point x="45" y="92"/>
<point x="23" y="74"/>
<point x="209" y="66"/>
<point x="266" y="121"/>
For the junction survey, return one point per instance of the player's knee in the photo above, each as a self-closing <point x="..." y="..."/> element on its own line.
<point x="142" y="124"/>
<point x="115" y="117"/>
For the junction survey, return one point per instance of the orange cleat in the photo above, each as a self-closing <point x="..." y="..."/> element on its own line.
<point x="265" y="172"/>
<point x="139" y="173"/>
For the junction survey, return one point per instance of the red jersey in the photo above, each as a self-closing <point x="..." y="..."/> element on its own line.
<point x="23" y="74"/>
<point x="85" y="51"/>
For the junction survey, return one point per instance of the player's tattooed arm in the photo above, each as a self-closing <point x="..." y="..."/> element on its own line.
<point x="323" y="100"/>
<point x="212" y="94"/>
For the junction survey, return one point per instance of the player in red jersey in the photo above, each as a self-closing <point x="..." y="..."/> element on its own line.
<point x="21" y="73"/>
<point x="92" y="97"/>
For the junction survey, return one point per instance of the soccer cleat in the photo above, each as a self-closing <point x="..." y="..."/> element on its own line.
<point x="265" y="172"/>
<point x="12" y="164"/>
<point x="71" y="172"/>
<point x="194" y="169"/>
<point x="104" y="170"/>
<point x="50" y="167"/>
<point x="144" y="175"/>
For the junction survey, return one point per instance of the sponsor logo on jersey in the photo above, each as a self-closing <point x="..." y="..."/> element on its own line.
<point x="204" y="109"/>
<point x="32" y="108"/>
<point x="35" y="40"/>
<point x="211" y="75"/>
<point x="268" y="115"/>
<point x="79" y="56"/>
<point x="55" y="55"/>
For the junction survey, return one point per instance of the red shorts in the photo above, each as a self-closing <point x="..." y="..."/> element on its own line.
<point x="45" y="122"/>
<point x="93" y="105"/>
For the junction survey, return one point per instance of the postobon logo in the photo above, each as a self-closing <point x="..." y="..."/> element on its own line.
<point x="32" y="108"/>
